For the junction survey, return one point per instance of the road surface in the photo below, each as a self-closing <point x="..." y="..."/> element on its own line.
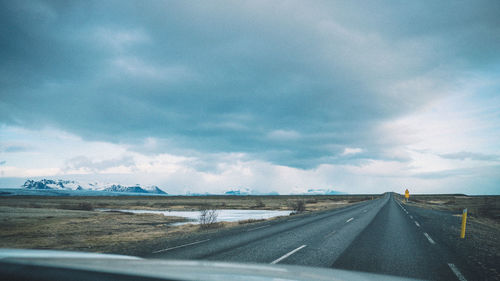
<point x="378" y="236"/>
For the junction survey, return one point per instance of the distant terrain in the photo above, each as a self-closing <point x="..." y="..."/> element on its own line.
<point x="59" y="187"/>
<point x="67" y="185"/>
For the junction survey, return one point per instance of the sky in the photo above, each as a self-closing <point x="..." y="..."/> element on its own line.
<point x="282" y="96"/>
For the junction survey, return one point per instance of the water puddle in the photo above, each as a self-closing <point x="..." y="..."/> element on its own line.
<point x="229" y="215"/>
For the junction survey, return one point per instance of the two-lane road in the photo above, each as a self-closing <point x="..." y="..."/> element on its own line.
<point x="395" y="243"/>
<point x="316" y="239"/>
<point x="379" y="236"/>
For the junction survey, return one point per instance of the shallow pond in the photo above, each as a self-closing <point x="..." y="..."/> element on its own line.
<point x="222" y="215"/>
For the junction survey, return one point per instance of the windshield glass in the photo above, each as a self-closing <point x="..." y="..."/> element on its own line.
<point x="342" y="135"/>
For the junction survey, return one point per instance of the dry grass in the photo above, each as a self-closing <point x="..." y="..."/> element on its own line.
<point x="478" y="207"/>
<point x="186" y="203"/>
<point x="77" y="230"/>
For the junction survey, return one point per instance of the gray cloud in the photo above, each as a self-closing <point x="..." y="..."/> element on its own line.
<point x="14" y="148"/>
<point x="485" y="173"/>
<point x="83" y="162"/>
<point x="293" y="83"/>
<point x="471" y="155"/>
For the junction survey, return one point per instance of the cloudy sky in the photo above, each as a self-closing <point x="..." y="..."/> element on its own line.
<point x="355" y="96"/>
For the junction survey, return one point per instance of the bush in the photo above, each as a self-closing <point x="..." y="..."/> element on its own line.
<point x="259" y="204"/>
<point x="208" y="217"/>
<point x="85" y="206"/>
<point x="298" y="206"/>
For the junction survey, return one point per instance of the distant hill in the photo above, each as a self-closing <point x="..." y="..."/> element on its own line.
<point x="248" y="191"/>
<point x="67" y="185"/>
<point x="320" y="191"/>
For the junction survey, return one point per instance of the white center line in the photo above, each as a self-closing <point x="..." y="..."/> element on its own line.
<point x="287" y="255"/>
<point x="364" y="211"/>
<point x="255" y="228"/>
<point x="176" y="247"/>
<point x="457" y="272"/>
<point x="349" y="220"/>
<point x="417" y="224"/>
<point x="411" y="217"/>
<point x="429" y="238"/>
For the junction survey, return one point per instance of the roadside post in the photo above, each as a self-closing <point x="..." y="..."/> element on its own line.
<point x="407" y="195"/>
<point x="464" y="220"/>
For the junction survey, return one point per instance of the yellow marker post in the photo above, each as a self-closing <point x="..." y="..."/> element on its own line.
<point x="464" y="220"/>
<point x="407" y="194"/>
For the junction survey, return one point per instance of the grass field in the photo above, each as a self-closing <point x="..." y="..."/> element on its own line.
<point x="484" y="207"/>
<point x="75" y="223"/>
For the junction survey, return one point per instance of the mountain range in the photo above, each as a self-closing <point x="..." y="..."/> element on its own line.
<point x="46" y="184"/>
<point x="70" y="185"/>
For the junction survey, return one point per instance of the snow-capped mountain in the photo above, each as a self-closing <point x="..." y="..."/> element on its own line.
<point x="248" y="191"/>
<point x="74" y="185"/>
<point x="242" y="191"/>
<point x="320" y="191"/>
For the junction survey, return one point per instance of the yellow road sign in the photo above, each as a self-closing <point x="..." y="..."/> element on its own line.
<point x="407" y="194"/>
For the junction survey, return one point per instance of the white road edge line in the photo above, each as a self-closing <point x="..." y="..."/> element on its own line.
<point x="176" y="247"/>
<point x="457" y="272"/>
<point x="349" y="220"/>
<point x="417" y="224"/>
<point x="429" y="238"/>
<point x="287" y="255"/>
<point x="255" y="228"/>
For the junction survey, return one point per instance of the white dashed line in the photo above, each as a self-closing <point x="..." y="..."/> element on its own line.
<point x="417" y="224"/>
<point x="349" y="220"/>
<point x="411" y="217"/>
<point x="176" y="247"/>
<point x="457" y="272"/>
<point x="429" y="238"/>
<point x="255" y="228"/>
<point x="287" y="255"/>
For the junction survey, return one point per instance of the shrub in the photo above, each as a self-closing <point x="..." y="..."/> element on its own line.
<point x="298" y="206"/>
<point x="208" y="217"/>
<point x="259" y="204"/>
<point x="85" y="206"/>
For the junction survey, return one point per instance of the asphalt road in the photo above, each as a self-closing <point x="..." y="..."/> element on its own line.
<point x="378" y="236"/>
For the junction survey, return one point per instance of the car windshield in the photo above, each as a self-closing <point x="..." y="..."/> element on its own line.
<point x="260" y="137"/>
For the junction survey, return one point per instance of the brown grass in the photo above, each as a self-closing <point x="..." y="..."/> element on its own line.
<point x="483" y="207"/>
